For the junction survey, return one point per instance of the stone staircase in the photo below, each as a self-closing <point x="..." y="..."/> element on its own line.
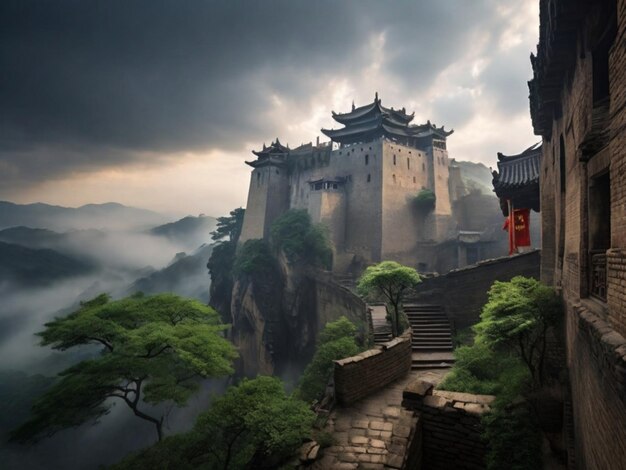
<point x="380" y="326"/>
<point x="432" y="336"/>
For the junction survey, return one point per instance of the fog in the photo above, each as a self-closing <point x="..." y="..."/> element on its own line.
<point x="125" y="260"/>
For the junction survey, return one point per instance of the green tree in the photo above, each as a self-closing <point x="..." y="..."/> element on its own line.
<point x="517" y="318"/>
<point x="253" y="425"/>
<point x="391" y="280"/>
<point x="154" y="349"/>
<point x="336" y="341"/>
<point x="295" y="235"/>
<point x="221" y="261"/>
<point x="254" y="256"/>
<point x="229" y="226"/>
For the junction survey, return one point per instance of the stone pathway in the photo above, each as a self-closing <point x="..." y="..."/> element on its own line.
<point x="373" y="433"/>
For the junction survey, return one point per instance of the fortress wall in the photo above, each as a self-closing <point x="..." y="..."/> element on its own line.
<point x="441" y="175"/>
<point x="463" y="292"/>
<point x="402" y="226"/>
<point x="264" y="204"/>
<point x="328" y="207"/>
<point x="363" y="198"/>
<point x="308" y="167"/>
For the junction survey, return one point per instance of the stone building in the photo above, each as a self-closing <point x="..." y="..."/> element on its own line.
<point x="362" y="185"/>
<point x="578" y="106"/>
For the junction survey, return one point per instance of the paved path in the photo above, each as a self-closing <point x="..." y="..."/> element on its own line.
<point x="373" y="433"/>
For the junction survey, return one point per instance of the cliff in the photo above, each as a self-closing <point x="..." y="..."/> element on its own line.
<point x="276" y="316"/>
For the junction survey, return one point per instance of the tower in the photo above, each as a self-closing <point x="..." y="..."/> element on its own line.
<point x="268" y="196"/>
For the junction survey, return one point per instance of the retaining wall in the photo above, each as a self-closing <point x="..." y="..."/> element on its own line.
<point x="450" y="426"/>
<point x="358" y="376"/>
<point x="463" y="292"/>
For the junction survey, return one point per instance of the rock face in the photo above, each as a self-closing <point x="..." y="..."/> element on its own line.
<point x="276" y="317"/>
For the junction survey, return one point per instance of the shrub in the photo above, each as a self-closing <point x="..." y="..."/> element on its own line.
<point x="425" y="200"/>
<point x="253" y="425"/>
<point x="254" y="257"/>
<point x="295" y="235"/>
<point x="514" y="438"/>
<point x="336" y="342"/>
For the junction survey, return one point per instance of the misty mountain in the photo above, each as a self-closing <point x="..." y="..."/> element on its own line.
<point x="28" y="267"/>
<point x="189" y="231"/>
<point x="186" y="275"/>
<point x="106" y="216"/>
<point x="476" y="176"/>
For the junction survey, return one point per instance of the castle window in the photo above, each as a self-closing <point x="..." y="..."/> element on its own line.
<point x="394" y="179"/>
<point x="423" y="167"/>
<point x="369" y="177"/>
<point x="394" y="159"/>
<point x="318" y="186"/>
<point x="277" y="172"/>
<point x="370" y="148"/>
<point x="414" y="179"/>
<point x="408" y="163"/>
<point x="334" y="185"/>
<point x="367" y="159"/>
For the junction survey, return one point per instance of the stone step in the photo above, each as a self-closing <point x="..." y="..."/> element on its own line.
<point x="427" y="324"/>
<point x="427" y="342"/>
<point x="419" y="333"/>
<point x="438" y="365"/>
<point x="424" y="316"/>
<point x="422" y="348"/>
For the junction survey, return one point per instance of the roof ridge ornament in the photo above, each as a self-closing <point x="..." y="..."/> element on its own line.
<point x="353" y="107"/>
<point x="376" y="100"/>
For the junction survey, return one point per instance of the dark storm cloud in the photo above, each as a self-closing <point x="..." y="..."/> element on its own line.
<point x="85" y="84"/>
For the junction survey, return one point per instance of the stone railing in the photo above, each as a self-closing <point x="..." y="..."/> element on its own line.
<point x="450" y="426"/>
<point x="358" y="376"/>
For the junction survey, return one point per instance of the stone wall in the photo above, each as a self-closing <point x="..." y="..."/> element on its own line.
<point x="333" y="301"/>
<point x="463" y="292"/>
<point x="584" y="140"/>
<point x="358" y="376"/>
<point x="450" y="426"/>
<point x="597" y="369"/>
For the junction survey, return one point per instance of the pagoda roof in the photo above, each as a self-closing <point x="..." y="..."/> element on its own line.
<point x="374" y="120"/>
<point x="275" y="148"/>
<point x="517" y="178"/>
<point x="272" y="155"/>
<point x="372" y="109"/>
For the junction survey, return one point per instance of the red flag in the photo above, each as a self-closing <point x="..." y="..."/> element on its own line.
<point x="522" y="229"/>
<point x="520" y="236"/>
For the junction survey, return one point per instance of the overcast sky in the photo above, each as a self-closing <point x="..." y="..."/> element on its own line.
<point x="157" y="103"/>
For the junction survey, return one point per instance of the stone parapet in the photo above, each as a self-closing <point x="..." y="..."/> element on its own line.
<point x="359" y="376"/>
<point x="450" y="425"/>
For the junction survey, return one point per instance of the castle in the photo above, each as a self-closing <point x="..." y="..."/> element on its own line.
<point x="362" y="185"/>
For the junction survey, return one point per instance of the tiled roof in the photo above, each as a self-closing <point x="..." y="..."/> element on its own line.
<point x="517" y="171"/>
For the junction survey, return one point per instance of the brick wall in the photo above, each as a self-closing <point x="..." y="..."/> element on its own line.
<point x="450" y="426"/>
<point x="463" y="292"/>
<point x="358" y="376"/>
<point x="594" y="330"/>
<point x="597" y="368"/>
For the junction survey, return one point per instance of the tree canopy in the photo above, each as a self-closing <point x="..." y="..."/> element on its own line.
<point x="229" y="226"/>
<point x="391" y="280"/>
<point x="517" y="318"/>
<point x="336" y="341"/>
<point x="253" y="425"/>
<point x="295" y="235"/>
<point x="154" y="349"/>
